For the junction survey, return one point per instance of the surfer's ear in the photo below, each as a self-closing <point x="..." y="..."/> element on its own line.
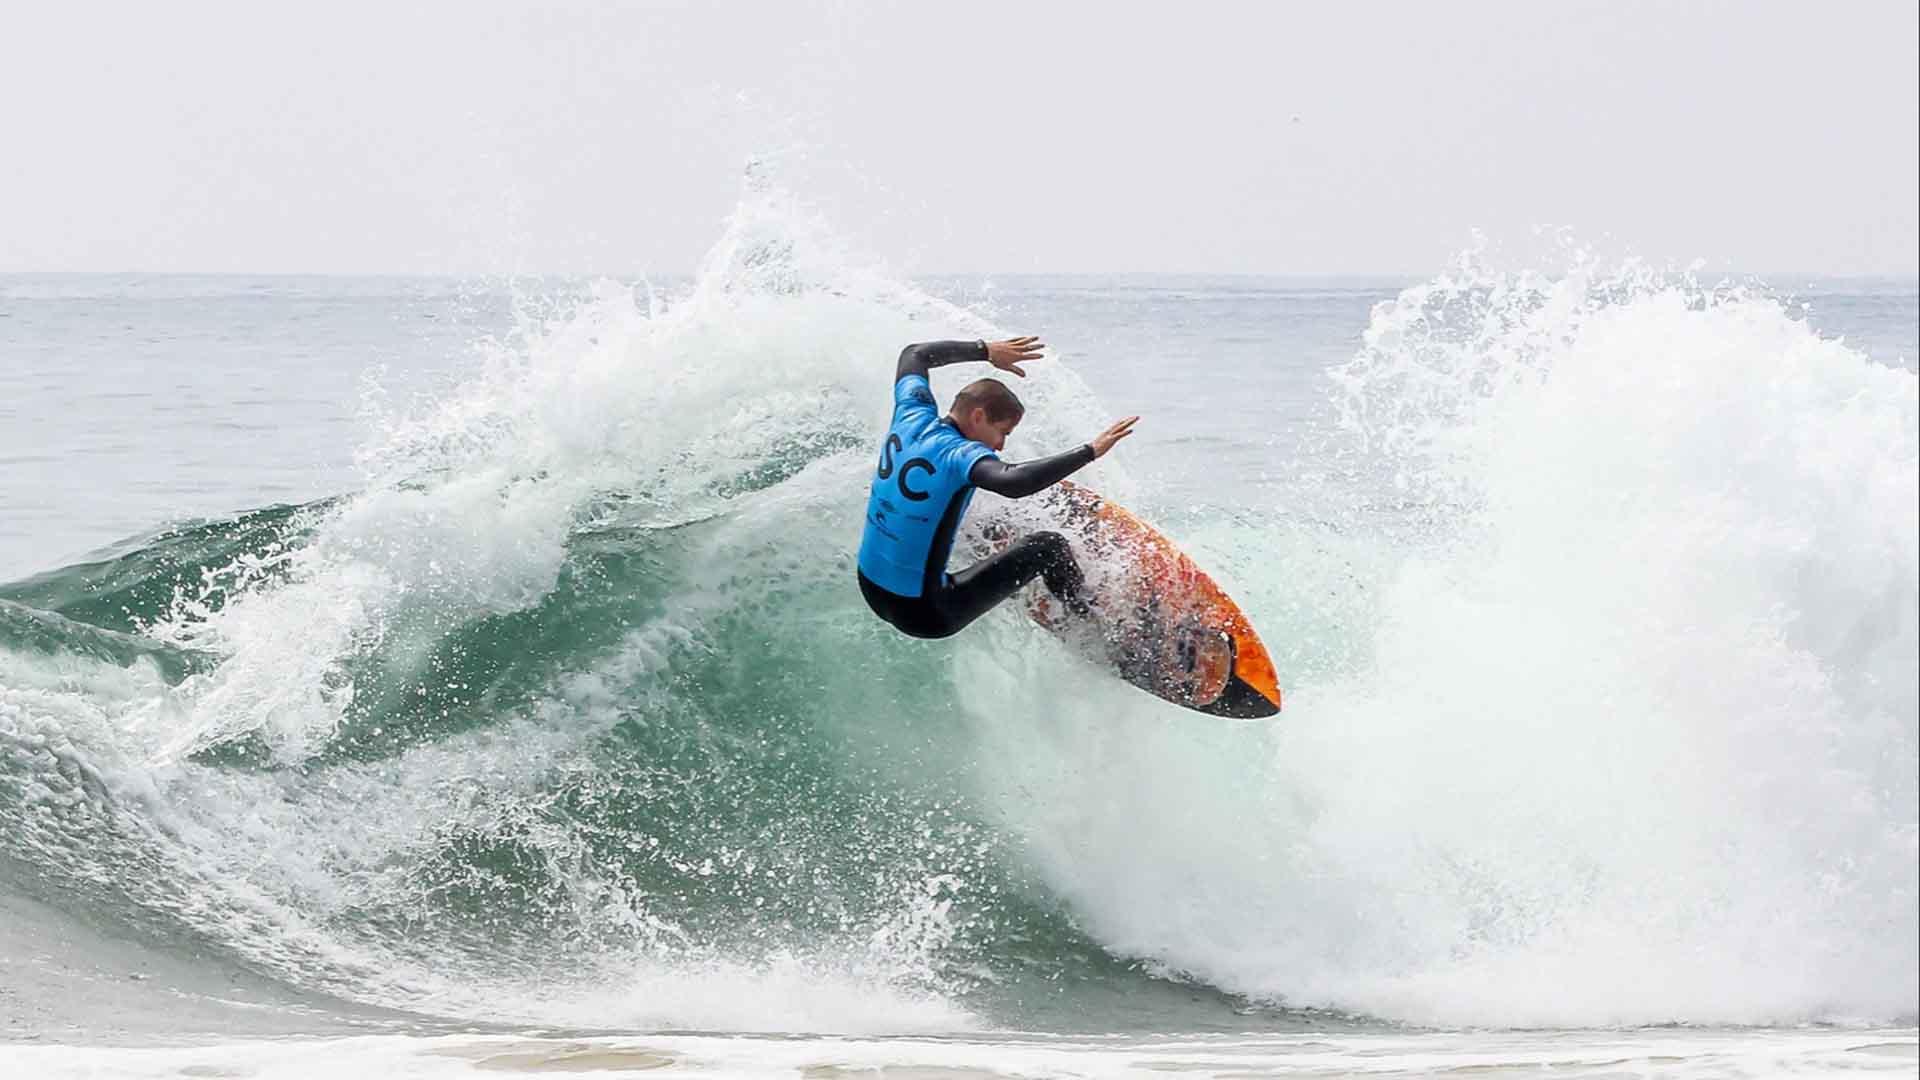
<point x="971" y="422"/>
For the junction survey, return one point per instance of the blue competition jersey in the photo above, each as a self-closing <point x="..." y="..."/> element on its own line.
<point x="920" y="492"/>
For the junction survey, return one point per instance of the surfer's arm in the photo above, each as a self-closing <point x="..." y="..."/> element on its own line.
<point x="927" y="355"/>
<point x="1006" y="355"/>
<point x="1022" y="480"/>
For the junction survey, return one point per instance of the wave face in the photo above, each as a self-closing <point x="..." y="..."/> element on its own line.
<point x="1597" y="610"/>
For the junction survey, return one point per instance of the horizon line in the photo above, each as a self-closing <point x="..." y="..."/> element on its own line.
<point x="1408" y="275"/>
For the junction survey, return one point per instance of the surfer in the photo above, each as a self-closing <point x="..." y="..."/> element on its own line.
<point x="930" y="465"/>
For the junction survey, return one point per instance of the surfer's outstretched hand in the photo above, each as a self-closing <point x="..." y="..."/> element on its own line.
<point x="1104" y="441"/>
<point x="1008" y="355"/>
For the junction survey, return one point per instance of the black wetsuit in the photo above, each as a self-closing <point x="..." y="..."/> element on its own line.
<point x="948" y="602"/>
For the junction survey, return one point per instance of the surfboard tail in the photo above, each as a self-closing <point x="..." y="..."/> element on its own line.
<point x="1241" y="701"/>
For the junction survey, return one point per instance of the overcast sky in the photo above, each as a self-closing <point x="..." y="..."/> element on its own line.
<point x="481" y="136"/>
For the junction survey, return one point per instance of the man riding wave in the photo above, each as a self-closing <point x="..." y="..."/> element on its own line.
<point x="930" y="465"/>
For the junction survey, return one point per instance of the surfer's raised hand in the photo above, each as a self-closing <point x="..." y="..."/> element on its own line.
<point x="1104" y="441"/>
<point x="1008" y="355"/>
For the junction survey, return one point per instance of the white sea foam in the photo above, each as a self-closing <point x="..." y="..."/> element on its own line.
<point x="1676" y="1054"/>
<point x="1635" y="736"/>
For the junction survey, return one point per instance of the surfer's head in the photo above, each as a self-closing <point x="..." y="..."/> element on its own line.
<point x="986" y="411"/>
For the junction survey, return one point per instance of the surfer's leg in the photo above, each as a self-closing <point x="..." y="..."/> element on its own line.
<point x="1058" y="568"/>
<point x="974" y="591"/>
<point x="912" y="616"/>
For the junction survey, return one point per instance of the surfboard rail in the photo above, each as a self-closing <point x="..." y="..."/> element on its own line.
<point x="1171" y="629"/>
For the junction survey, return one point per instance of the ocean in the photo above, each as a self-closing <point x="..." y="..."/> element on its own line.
<point x="429" y="677"/>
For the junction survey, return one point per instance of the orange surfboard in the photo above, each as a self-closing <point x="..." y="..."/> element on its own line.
<point x="1158" y="620"/>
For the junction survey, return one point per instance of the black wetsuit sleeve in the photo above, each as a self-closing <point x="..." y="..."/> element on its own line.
<point x="919" y="359"/>
<point x="1022" y="480"/>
